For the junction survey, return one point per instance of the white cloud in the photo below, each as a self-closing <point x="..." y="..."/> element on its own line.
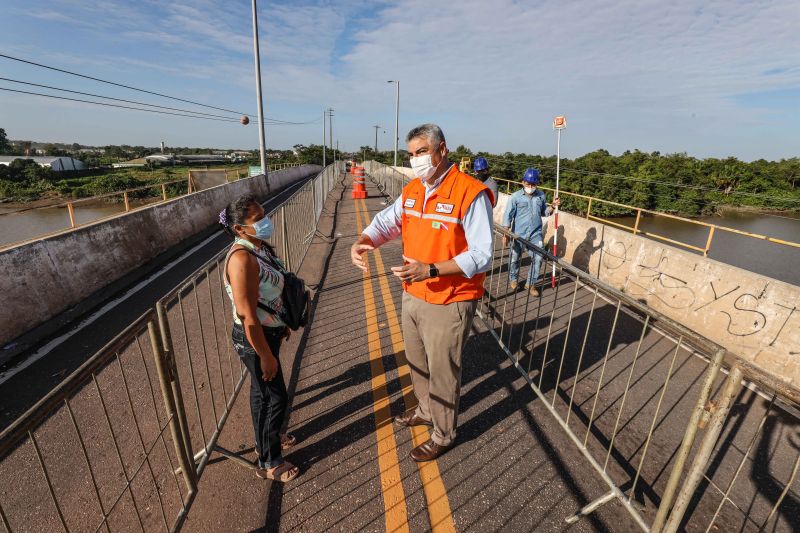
<point x="647" y="74"/>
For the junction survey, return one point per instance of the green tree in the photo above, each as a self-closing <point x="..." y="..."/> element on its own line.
<point x="5" y="147"/>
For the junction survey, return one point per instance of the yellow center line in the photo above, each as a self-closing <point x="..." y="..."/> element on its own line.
<point x="394" y="499"/>
<point x="439" y="512"/>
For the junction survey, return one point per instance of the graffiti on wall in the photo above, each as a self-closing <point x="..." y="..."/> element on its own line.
<point x="741" y="308"/>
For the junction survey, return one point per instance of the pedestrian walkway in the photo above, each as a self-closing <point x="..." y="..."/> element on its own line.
<point x="350" y="378"/>
<point x="513" y="467"/>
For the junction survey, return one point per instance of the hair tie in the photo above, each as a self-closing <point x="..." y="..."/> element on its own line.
<point x="223" y="218"/>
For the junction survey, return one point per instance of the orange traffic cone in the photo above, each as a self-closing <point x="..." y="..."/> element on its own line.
<point x="359" y="183"/>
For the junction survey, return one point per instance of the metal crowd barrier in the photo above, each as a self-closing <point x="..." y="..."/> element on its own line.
<point x="101" y="451"/>
<point x="668" y="420"/>
<point x="389" y="181"/>
<point x="645" y="401"/>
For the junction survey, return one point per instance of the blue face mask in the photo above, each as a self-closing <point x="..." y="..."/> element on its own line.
<point x="263" y="228"/>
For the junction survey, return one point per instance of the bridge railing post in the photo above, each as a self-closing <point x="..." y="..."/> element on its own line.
<point x="71" y="211"/>
<point x="708" y="241"/>
<point x="285" y="239"/>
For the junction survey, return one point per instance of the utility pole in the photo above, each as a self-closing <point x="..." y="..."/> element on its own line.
<point x="330" y="127"/>
<point x="376" y="139"/>
<point x="396" y="118"/>
<point x="257" y="56"/>
<point x="324" y="140"/>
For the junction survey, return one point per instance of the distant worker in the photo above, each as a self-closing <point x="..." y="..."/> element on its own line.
<point x="445" y="220"/>
<point x="481" y="168"/>
<point x="523" y="216"/>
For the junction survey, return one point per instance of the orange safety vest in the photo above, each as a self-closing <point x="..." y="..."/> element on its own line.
<point x="434" y="232"/>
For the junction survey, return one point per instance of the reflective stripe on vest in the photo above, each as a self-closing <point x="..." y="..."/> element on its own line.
<point x="433" y="232"/>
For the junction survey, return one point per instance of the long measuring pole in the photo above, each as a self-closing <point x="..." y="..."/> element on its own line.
<point x="555" y="222"/>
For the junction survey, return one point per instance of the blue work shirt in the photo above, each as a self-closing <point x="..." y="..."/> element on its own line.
<point x="524" y="213"/>
<point x="477" y="228"/>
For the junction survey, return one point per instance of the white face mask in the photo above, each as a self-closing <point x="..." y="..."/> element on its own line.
<point x="529" y="190"/>
<point x="423" y="166"/>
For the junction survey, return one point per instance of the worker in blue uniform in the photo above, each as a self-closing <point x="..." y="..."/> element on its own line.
<point x="523" y="216"/>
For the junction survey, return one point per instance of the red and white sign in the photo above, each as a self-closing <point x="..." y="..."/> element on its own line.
<point x="559" y="123"/>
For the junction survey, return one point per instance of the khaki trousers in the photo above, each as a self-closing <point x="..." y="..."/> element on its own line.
<point x="434" y="336"/>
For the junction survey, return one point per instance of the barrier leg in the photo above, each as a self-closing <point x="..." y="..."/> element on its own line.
<point x="692" y="480"/>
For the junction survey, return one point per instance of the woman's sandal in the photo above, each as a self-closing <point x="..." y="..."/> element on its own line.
<point x="287" y="441"/>
<point x="284" y="472"/>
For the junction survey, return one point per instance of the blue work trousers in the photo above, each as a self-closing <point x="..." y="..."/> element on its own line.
<point x="536" y="260"/>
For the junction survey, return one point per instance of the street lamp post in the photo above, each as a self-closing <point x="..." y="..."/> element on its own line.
<point x="256" y="53"/>
<point x="324" y="140"/>
<point x="396" y="118"/>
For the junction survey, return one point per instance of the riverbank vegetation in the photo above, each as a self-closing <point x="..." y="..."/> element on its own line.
<point x="670" y="183"/>
<point x="24" y="181"/>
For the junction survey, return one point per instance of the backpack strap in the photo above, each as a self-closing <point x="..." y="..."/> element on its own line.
<point x="261" y="305"/>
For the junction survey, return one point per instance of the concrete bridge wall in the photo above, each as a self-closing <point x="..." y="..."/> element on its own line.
<point x="753" y="316"/>
<point x="43" y="278"/>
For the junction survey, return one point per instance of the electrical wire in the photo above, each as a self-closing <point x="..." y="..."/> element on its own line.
<point x="63" y="71"/>
<point x="270" y="123"/>
<point x="232" y="120"/>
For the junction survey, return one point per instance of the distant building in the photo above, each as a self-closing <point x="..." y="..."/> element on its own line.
<point x="140" y="162"/>
<point x="185" y="159"/>
<point x="58" y="164"/>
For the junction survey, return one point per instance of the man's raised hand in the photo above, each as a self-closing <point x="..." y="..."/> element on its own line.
<point x="357" y="255"/>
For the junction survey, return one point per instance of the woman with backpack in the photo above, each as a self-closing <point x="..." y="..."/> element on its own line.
<point x="255" y="281"/>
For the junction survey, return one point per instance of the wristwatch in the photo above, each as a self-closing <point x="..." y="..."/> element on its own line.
<point x="433" y="272"/>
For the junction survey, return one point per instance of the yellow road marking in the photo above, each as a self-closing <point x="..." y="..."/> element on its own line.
<point x="439" y="512"/>
<point x="394" y="499"/>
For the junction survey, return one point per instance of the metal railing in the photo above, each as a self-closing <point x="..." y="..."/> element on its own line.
<point x="389" y="181"/>
<point x="642" y="398"/>
<point x="160" y="190"/>
<point x="101" y="447"/>
<point x="281" y="166"/>
<point x="130" y="200"/>
<point x="712" y="228"/>
<point x="648" y="403"/>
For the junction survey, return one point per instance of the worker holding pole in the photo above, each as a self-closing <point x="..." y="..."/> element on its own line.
<point x="523" y="216"/>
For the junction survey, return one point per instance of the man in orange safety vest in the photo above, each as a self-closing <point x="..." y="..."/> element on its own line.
<point x="445" y="219"/>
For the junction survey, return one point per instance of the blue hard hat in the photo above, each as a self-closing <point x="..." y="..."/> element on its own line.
<point x="531" y="176"/>
<point x="479" y="164"/>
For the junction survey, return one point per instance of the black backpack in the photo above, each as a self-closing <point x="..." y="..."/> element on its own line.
<point x="296" y="298"/>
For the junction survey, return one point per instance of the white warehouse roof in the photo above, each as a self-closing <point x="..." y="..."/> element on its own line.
<point x="58" y="164"/>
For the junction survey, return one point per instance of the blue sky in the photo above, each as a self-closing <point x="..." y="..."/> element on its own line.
<point x="710" y="78"/>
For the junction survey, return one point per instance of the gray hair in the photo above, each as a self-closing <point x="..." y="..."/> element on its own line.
<point x="431" y="132"/>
